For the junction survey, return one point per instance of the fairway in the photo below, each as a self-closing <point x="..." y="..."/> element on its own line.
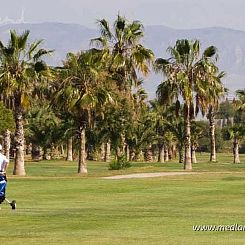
<point x="57" y="207"/>
<point x="121" y="125"/>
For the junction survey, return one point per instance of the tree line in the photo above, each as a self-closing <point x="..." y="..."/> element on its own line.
<point x="95" y="104"/>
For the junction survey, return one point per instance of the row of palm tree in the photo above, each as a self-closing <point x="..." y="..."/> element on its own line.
<point x="196" y="79"/>
<point x="21" y="70"/>
<point x="97" y="95"/>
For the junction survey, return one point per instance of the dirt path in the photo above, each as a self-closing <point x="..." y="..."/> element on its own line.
<point x="147" y="175"/>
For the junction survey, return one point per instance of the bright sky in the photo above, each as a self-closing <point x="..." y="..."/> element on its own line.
<point x="173" y="13"/>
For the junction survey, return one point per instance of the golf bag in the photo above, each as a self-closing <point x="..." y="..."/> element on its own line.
<point x="3" y="183"/>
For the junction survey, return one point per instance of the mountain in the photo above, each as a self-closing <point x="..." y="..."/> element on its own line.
<point x="74" y="37"/>
<point x="63" y="38"/>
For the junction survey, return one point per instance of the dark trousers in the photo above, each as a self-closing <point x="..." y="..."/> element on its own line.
<point x="3" y="184"/>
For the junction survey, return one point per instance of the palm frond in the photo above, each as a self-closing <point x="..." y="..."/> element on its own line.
<point x="40" y="66"/>
<point x="99" y="42"/>
<point x="105" y="28"/>
<point x="160" y="64"/>
<point x="33" y="47"/>
<point x="22" y="40"/>
<point x="209" y="52"/>
<point x="166" y="92"/>
<point x="13" y="42"/>
<point x="42" y="52"/>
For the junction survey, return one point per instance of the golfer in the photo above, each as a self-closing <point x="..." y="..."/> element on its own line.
<point x="3" y="180"/>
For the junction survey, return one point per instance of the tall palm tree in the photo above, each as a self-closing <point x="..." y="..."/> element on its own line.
<point x="21" y="68"/>
<point x="183" y="71"/>
<point x="237" y="131"/>
<point x="128" y="55"/>
<point x="80" y="92"/>
<point x="128" y="58"/>
<point x="208" y="94"/>
<point x="158" y="111"/>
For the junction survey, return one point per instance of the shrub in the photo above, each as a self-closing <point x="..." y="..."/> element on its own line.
<point x="120" y="163"/>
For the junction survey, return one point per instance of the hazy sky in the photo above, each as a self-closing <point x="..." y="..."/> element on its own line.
<point x="173" y="13"/>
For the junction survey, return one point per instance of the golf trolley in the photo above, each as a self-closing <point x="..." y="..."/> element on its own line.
<point x="12" y="203"/>
<point x="3" y="183"/>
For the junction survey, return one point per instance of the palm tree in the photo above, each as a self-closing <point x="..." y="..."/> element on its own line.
<point x="80" y="91"/>
<point x="7" y="125"/>
<point x="158" y="121"/>
<point x="237" y="131"/>
<point x="128" y="55"/>
<point x="208" y="94"/>
<point x="116" y="124"/>
<point x="21" y="69"/>
<point x="240" y="103"/>
<point x="226" y="113"/>
<point x="174" y="123"/>
<point x="44" y="130"/>
<point x="183" y="71"/>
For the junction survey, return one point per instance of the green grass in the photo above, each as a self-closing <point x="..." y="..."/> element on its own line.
<point x="57" y="206"/>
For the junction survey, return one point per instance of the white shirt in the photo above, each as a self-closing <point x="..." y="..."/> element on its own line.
<point x="3" y="163"/>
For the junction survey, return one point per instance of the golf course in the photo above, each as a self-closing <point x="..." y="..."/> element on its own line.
<point x="91" y="157"/>
<point x="55" y="205"/>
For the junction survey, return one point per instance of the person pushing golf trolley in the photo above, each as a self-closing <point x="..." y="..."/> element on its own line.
<point x="3" y="179"/>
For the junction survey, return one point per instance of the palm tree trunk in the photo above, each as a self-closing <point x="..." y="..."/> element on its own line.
<point x="36" y="152"/>
<point x="166" y="158"/>
<point x="181" y="153"/>
<point x="55" y="153"/>
<point x="90" y="152"/>
<point x="102" y="151"/>
<point x="187" y="162"/>
<point x="108" y="152"/>
<point x="123" y="146"/>
<point x="170" y="153"/>
<point x="174" y="150"/>
<point x="29" y="149"/>
<point x="127" y="152"/>
<point x="46" y="153"/>
<point x="69" y="156"/>
<point x="149" y="154"/>
<point x="193" y="154"/>
<point x="62" y="150"/>
<point x="137" y="156"/>
<point x="82" y="165"/>
<point x="6" y="144"/>
<point x="212" y="136"/>
<point x="236" y="151"/>
<point x="19" y="164"/>
<point x="118" y="153"/>
<point x="161" y="153"/>
<point x="132" y="154"/>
